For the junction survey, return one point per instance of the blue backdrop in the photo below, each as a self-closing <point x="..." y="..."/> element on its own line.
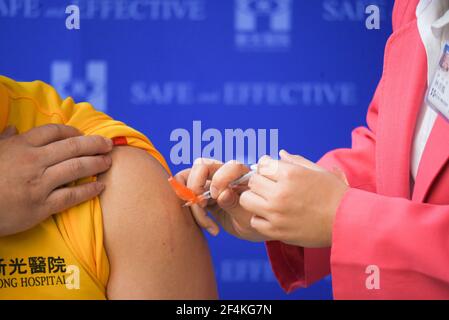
<point x="292" y="74"/>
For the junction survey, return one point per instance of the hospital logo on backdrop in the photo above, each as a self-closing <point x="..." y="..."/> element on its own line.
<point x="354" y="10"/>
<point x="90" y="87"/>
<point x="262" y="24"/>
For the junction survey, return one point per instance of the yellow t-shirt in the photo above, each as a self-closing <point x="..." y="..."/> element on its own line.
<point x="64" y="256"/>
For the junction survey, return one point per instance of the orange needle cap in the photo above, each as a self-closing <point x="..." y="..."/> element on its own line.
<point x="182" y="191"/>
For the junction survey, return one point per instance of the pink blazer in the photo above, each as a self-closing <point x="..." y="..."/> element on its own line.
<point x="380" y="220"/>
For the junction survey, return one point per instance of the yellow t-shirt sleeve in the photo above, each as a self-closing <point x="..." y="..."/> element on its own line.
<point x="91" y="122"/>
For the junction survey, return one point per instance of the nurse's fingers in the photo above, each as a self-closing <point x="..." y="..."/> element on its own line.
<point x="264" y="227"/>
<point x="198" y="213"/>
<point x="261" y="185"/>
<point x="182" y="176"/>
<point x="298" y="160"/>
<point x="230" y="171"/>
<point x="203" y="220"/>
<point x="228" y="200"/>
<point x="269" y="168"/>
<point x="254" y="203"/>
<point x="203" y="169"/>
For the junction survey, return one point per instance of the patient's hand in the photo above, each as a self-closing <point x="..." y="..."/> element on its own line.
<point x="155" y="249"/>
<point x="36" y="167"/>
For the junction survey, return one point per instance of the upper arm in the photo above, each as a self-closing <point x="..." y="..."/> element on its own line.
<point x="155" y="249"/>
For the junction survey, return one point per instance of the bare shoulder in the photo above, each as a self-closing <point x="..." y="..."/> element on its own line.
<point x="155" y="249"/>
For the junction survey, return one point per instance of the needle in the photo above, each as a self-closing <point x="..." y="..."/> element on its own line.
<point x="243" y="179"/>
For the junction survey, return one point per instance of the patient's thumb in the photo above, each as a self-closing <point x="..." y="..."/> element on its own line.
<point x="8" y="132"/>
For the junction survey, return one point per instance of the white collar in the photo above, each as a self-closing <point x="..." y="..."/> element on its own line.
<point x="433" y="15"/>
<point x="442" y="21"/>
<point x="422" y="5"/>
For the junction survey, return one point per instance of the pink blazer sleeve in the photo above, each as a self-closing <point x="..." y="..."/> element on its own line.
<point x="408" y="269"/>
<point x="296" y="267"/>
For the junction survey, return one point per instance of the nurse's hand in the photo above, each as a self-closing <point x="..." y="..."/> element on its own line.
<point x="36" y="166"/>
<point x="224" y="206"/>
<point x="295" y="200"/>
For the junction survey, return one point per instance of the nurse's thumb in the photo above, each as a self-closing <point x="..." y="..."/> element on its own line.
<point x="228" y="200"/>
<point x="297" y="160"/>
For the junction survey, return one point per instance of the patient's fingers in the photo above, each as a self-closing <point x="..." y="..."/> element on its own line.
<point x="8" y="132"/>
<point x="77" y="168"/>
<point x="71" y="148"/>
<point x="43" y="135"/>
<point x="65" y="198"/>
<point x="203" y="220"/>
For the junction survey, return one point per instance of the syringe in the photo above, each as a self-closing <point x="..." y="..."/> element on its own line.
<point x="190" y="197"/>
<point x="240" y="181"/>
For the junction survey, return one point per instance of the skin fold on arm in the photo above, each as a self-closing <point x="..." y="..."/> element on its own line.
<point x="155" y="249"/>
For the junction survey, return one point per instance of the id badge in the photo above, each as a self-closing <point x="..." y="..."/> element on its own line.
<point x="438" y="92"/>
